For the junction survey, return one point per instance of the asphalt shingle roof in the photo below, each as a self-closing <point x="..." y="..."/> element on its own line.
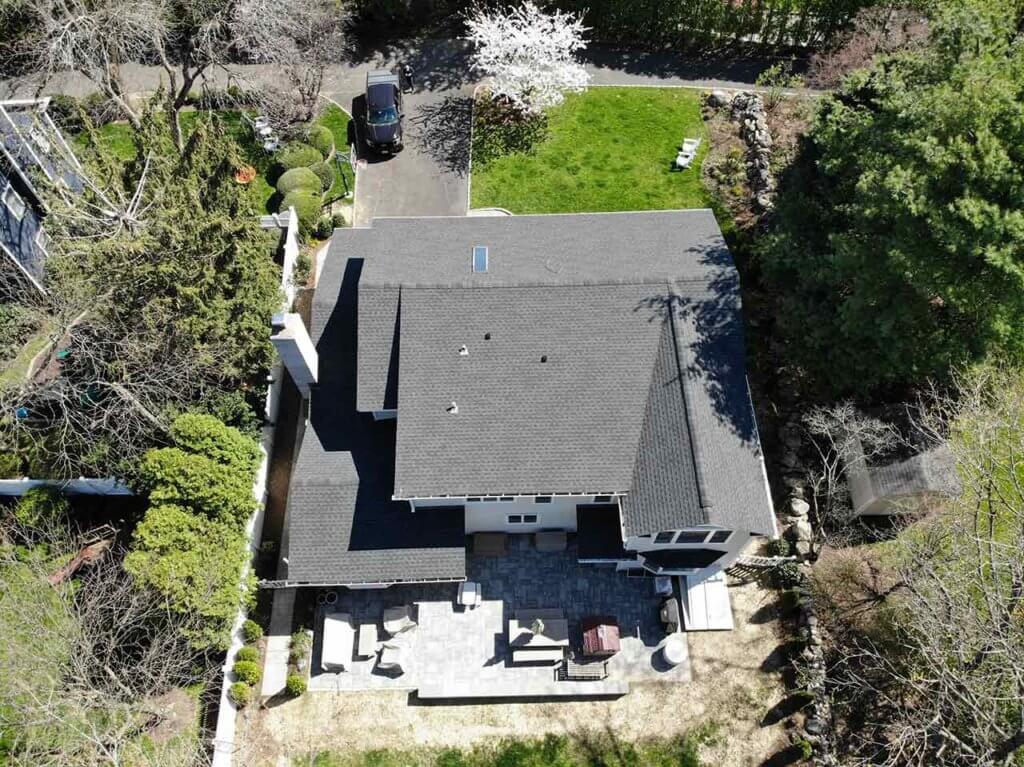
<point x="643" y="389"/>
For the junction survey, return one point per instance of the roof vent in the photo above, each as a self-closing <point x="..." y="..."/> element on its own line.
<point x="479" y="259"/>
<point x="452" y="409"/>
<point x="543" y="358"/>
<point x="487" y="336"/>
<point x="463" y="351"/>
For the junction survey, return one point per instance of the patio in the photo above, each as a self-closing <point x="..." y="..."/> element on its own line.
<point x="459" y="653"/>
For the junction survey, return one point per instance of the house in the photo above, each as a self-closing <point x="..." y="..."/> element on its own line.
<point x="580" y="373"/>
<point x="34" y="158"/>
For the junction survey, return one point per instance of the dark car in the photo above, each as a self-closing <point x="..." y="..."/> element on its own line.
<point x="383" y="111"/>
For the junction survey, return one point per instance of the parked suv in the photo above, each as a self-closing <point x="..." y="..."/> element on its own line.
<point x="383" y="120"/>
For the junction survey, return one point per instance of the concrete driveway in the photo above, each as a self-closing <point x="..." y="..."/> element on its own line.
<point x="430" y="176"/>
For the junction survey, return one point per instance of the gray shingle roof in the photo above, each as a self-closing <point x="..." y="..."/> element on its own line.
<point x="343" y="527"/>
<point x="643" y="391"/>
<point x="569" y="424"/>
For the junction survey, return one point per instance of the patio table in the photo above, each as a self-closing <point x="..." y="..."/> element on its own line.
<point x="521" y="636"/>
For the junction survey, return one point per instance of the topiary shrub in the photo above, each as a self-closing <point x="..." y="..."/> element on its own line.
<point x="240" y="694"/>
<point x="324" y="228"/>
<point x="251" y="631"/>
<point x="307" y="207"/>
<point x="325" y="173"/>
<point x="297" y="179"/>
<point x="248" y="654"/>
<point x="322" y="139"/>
<point x="246" y="671"/>
<point x="298" y="155"/>
<point x="295" y="685"/>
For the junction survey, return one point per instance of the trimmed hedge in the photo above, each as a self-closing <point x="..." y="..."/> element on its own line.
<point x="322" y="139"/>
<point x="307" y="206"/>
<point x="324" y="172"/>
<point x="299" y="178"/>
<point x="251" y="631"/>
<point x="246" y="671"/>
<point x="248" y="654"/>
<point x="240" y="694"/>
<point x="295" y="685"/>
<point x="299" y="155"/>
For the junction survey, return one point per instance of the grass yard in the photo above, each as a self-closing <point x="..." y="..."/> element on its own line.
<point x="118" y="137"/>
<point x="606" y="149"/>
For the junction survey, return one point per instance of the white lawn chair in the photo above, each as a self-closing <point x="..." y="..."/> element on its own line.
<point x="687" y="153"/>
<point x="469" y="594"/>
<point x="391" y="658"/>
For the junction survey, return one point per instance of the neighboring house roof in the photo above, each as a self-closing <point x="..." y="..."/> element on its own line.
<point x="21" y="236"/>
<point x="643" y="391"/>
<point x="35" y="148"/>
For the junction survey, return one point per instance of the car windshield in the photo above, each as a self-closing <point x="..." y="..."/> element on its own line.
<point x="383" y="116"/>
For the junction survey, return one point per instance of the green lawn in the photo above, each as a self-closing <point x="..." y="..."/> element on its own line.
<point x="606" y="149"/>
<point x="118" y="137"/>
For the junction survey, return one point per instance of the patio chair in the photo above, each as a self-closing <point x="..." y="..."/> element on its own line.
<point x="398" y="619"/>
<point x="391" y="658"/>
<point x="687" y="153"/>
<point x="469" y="594"/>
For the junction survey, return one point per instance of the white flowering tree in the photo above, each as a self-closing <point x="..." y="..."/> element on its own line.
<point x="529" y="54"/>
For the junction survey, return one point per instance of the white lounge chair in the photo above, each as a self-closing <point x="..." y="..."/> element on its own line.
<point x="687" y="153"/>
<point x="338" y="639"/>
<point x="469" y="594"/>
<point x="391" y="658"/>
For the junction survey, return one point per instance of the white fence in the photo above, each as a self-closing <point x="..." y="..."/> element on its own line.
<point x="80" y="486"/>
<point x="224" y="736"/>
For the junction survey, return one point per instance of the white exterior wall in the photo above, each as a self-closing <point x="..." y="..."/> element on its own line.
<point x="491" y="516"/>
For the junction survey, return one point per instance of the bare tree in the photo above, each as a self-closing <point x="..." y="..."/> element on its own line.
<point x="85" y="667"/>
<point x="939" y="680"/>
<point x="302" y="42"/>
<point x="843" y="438"/>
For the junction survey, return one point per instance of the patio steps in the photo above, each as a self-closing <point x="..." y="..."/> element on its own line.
<point x="515" y="689"/>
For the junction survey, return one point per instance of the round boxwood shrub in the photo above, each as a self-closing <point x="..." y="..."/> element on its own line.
<point x="240" y="694"/>
<point x="298" y="178"/>
<point x="321" y="138"/>
<point x="295" y="685"/>
<point x="248" y="654"/>
<point x="338" y="221"/>
<point x="325" y="173"/>
<point x="299" y="155"/>
<point x="307" y="206"/>
<point x="251" y="630"/>
<point x="324" y="229"/>
<point x="246" y="671"/>
<point x="779" y="547"/>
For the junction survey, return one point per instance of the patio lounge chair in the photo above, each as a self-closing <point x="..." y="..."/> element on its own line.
<point x="687" y="153"/>
<point x="398" y="619"/>
<point x="338" y="639"/>
<point x="469" y="594"/>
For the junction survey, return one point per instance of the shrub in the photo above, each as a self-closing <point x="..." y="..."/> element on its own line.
<point x="338" y="221"/>
<point x="41" y="506"/>
<point x="324" y="228"/>
<point x="249" y="654"/>
<point x="295" y="685"/>
<point x="300" y="275"/>
<point x="298" y="155"/>
<point x="322" y="139"/>
<point x="325" y="173"/>
<point x="307" y="207"/>
<point x="298" y="179"/>
<point x="806" y="748"/>
<point x="10" y="465"/>
<point x="197" y="483"/>
<point x="785" y="576"/>
<point x="247" y="671"/>
<point x="251" y="631"/>
<point x="206" y="435"/>
<point x="234" y="408"/>
<point x="779" y="547"/>
<point x="240" y="694"/>
<point x="789" y="599"/>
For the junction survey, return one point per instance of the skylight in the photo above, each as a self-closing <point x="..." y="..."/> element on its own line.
<point x="479" y="258"/>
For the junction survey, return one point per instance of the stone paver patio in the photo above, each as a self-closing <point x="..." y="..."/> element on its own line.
<point x="460" y="653"/>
